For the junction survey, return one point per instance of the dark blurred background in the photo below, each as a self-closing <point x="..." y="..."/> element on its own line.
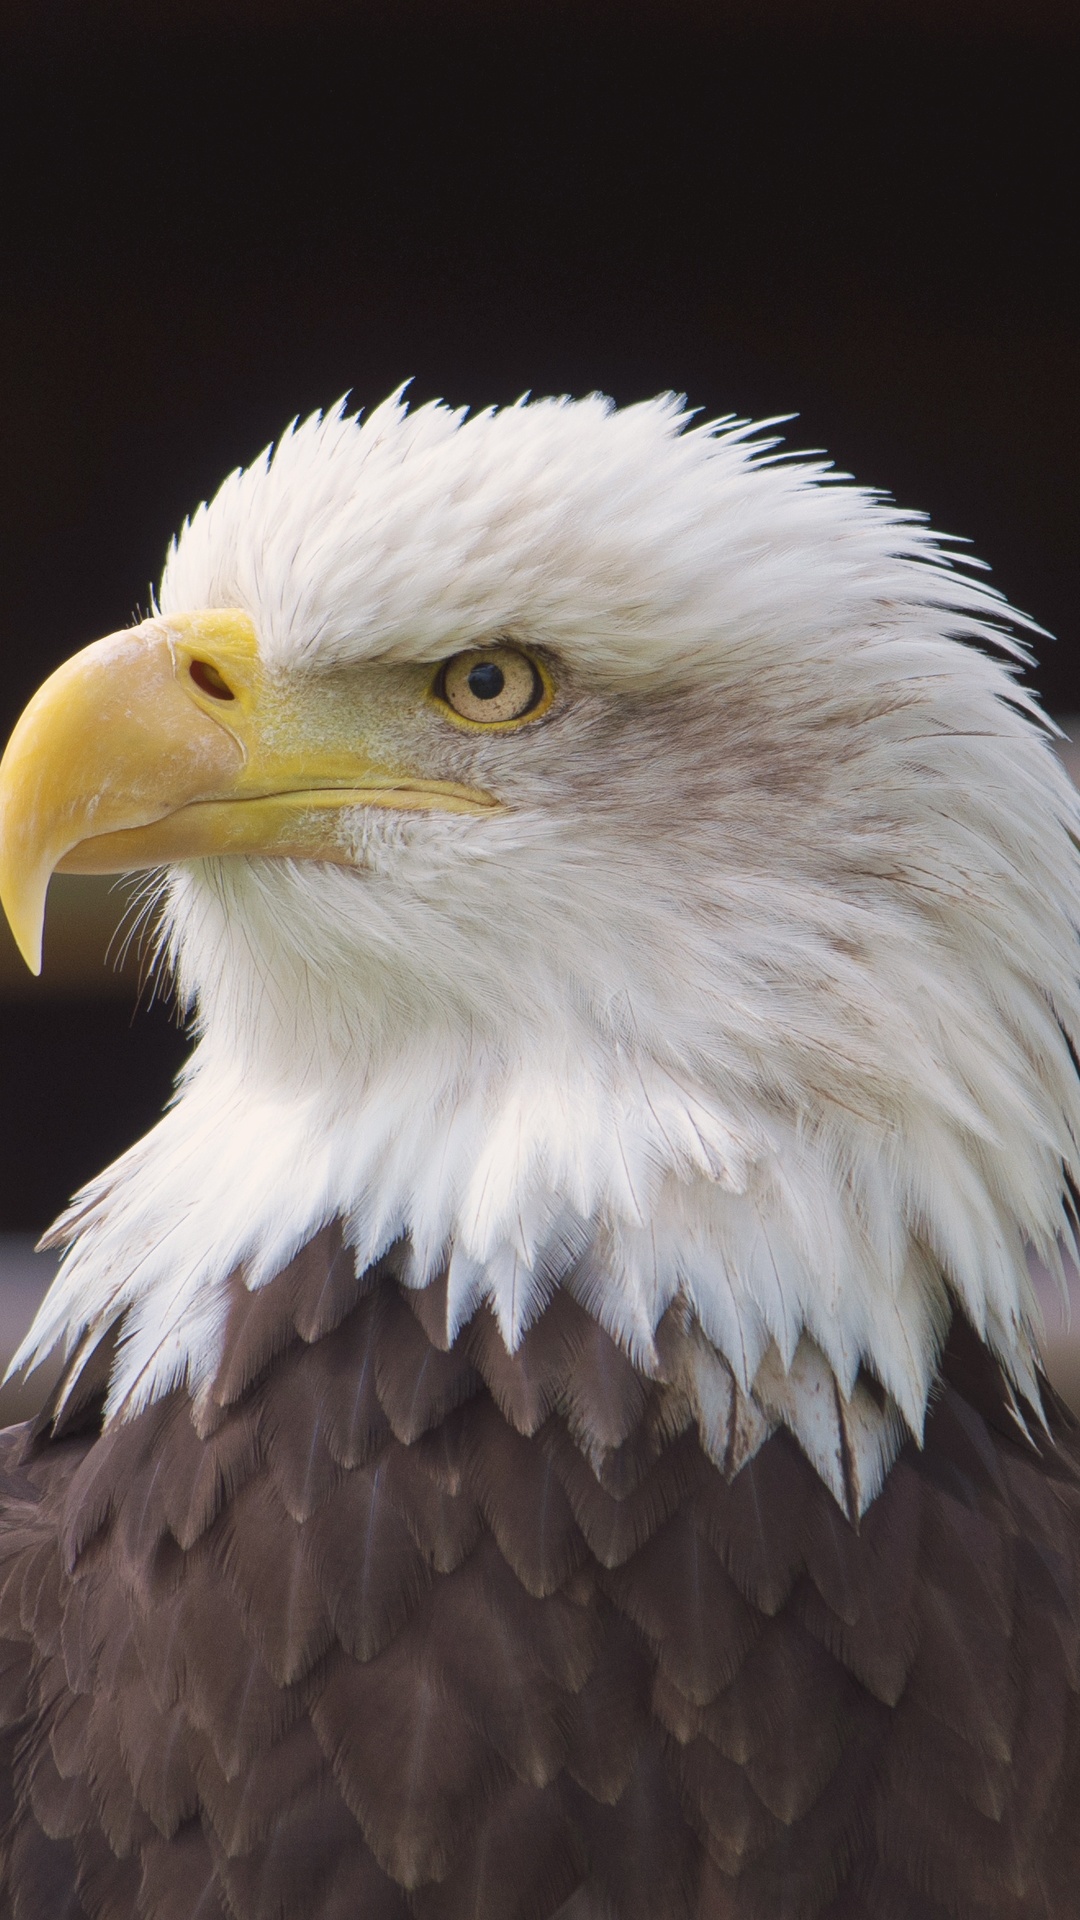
<point x="217" y="216"/>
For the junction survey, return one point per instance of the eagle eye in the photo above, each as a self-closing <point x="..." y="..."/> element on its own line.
<point x="493" y="686"/>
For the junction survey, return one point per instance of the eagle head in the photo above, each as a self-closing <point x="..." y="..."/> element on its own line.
<point x="596" y="852"/>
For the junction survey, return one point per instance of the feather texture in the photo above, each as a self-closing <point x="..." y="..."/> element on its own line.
<point x="408" y="1631"/>
<point x="551" y="1426"/>
<point x="760" y="991"/>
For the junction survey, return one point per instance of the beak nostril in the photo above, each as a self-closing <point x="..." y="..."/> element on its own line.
<point x="209" y="680"/>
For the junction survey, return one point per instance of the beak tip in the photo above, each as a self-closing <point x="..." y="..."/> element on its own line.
<point x="26" y="918"/>
<point x="28" y="940"/>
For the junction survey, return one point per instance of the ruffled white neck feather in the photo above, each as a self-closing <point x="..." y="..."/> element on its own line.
<point x="760" y="995"/>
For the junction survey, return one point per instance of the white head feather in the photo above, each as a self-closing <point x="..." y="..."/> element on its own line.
<point x="761" y="991"/>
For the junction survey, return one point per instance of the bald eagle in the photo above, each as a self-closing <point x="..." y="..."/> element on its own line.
<point x="551" y="1420"/>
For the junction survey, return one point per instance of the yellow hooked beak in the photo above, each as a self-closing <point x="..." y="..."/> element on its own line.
<point x="170" y="741"/>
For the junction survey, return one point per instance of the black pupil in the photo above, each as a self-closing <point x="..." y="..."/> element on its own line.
<point x="486" y="680"/>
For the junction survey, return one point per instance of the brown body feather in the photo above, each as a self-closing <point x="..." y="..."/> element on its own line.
<point x="377" y="1631"/>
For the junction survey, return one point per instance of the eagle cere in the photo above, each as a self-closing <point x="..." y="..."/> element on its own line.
<point x="551" y="1420"/>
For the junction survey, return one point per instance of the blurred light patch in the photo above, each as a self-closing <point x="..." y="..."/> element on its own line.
<point x="1061" y="1323"/>
<point x="24" y="1277"/>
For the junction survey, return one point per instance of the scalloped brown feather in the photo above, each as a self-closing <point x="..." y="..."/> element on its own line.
<point x="381" y="1631"/>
